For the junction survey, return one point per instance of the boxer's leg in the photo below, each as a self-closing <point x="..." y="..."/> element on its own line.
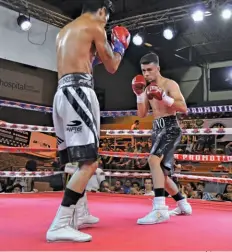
<point x="81" y="146"/>
<point x="82" y="215"/>
<point x="167" y="165"/>
<point x="159" y="212"/>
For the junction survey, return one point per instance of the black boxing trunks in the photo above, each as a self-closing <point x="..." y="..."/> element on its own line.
<point x="76" y="118"/>
<point x="165" y="138"/>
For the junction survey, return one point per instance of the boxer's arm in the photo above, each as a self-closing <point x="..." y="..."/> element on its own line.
<point x="110" y="59"/>
<point x="179" y="101"/>
<point x="143" y="106"/>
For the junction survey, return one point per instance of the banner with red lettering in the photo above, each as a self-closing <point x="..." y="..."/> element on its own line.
<point x="203" y="158"/>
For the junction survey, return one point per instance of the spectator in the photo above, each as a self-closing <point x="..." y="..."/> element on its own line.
<point x="127" y="187"/>
<point x="135" y="126"/>
<point x="200" y="186"/>
<point x="148" y="191"/>
<point x="105" y="187"/>
<point x="117" y="188"/>
<point x="219" y="197"/>
<point x="227" y="195"/>
<point x="135" y="189"/>
<point x="17" y="188"/>
<point x="95" y="181"/>
<point x="197" y="195"/>
<point x="190" y="188"/>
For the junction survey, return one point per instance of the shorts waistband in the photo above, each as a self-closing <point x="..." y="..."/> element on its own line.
<point x="76" y="79"/>
<point x="165" y="121"/>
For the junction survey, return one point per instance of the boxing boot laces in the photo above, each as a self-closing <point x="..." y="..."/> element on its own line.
<point x="61" y="229"/>
<point x="82" y="217"/>
<point x="158" y="214"/>
<point x="183" y="208"/>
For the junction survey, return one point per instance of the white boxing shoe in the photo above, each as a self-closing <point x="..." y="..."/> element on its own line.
<point x="82" y="217"/>
<point x="157" y="215"/>
<point x="183" y="208"/>
<point x="61" y="229"/>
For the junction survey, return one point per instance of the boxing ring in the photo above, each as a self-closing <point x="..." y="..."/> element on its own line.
<point x="26" y="217"/>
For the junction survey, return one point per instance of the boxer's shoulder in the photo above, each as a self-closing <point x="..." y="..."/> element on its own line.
<point x="170" y="85"/>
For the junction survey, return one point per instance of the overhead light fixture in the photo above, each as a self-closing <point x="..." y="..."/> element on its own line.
<point x="137" y="40"/>
<point x="168" y="33"/>
<point x="226" y="13"/>
<point x="24" y="23"/>
<point x="198" y="15"/>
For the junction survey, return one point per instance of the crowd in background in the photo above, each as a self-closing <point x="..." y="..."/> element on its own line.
<point x="100" y="183"/>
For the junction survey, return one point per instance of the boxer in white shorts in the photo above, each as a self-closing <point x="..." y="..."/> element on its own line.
<point x="80" y="45"/>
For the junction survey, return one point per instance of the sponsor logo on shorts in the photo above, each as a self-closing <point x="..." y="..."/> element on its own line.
<point x="75" y="126"/>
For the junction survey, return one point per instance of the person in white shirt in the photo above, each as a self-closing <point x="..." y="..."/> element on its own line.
<point x="95" y="181"/>
<point x="148" y="191"/>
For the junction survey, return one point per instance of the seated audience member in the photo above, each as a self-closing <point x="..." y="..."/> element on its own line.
<point x="105" y="187"/>
<point x="200" y="186"/>
<point x="95" y="181"/>
<point x="26" y="183"/>
<point x="190" y="187"/>
<point x="227" y="195"/>
<point x="135" y="189"/>
<point x="135" y="126"/>
<point x="17" y="188"/>
<point x="148" y="185"/>
<point x="129" y="148"/>
<point x="197" y="195"/>
<point x="127" y="187"/>
<point x="117" y="188"/>
<point x="126" y="164"/>
<point x="219" y="197"/>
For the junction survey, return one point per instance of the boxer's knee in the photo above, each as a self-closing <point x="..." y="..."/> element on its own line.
<point x="88" y="167"/>
<point x="154" y="161"/>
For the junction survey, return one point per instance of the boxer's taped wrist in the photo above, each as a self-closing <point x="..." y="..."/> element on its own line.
<point x="168" y="100"/>
<point x="118" y="48"/>
<point x="141" y="98"/>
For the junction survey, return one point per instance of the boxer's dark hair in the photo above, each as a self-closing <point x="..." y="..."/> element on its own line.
<point x="94" y="5"/>
<point x="150" y="58"/>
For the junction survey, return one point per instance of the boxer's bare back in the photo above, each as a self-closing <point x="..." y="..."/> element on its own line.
<point x="75" y="48"/>
<point x="78" y="43"/>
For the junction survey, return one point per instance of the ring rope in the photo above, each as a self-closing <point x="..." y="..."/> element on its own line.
<point x="182" y="157"/>
<point x="36" y="128"/>
<point x="33" y="107"/>
<point x="25" y="127"/>
<point x="205" y="131"/>
<point x="14" y="174"/>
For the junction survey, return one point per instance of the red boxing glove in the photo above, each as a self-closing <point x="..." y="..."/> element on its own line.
<point x="153" y="91"/>
<point x="138" y="86"/>
<point x="120" y="39"/>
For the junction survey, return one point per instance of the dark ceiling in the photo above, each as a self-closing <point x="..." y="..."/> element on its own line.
<point x="194" y="43"/>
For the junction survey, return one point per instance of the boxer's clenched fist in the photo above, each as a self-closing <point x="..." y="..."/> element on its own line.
<point x="138" y="84"/>
<point x="155" y="92"/>
<point x="120" y="38"/>
<point x="138" y="87"/>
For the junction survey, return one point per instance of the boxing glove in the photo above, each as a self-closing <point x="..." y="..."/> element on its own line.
<point x="120" y="39"/>
<point x="138" y="87"/>
<point x="96" y="61"/>
<point x="155" y="92"/>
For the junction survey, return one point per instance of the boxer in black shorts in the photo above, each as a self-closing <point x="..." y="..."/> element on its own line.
<point x="165" y="99"/>
<point x="165" y="137"/>
<point x="80" y="45"/>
